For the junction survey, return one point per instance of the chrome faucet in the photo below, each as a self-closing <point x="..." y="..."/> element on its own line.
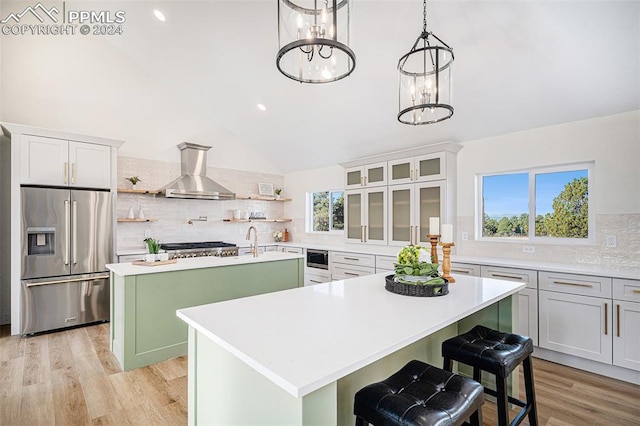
<point x="254" y="246"/>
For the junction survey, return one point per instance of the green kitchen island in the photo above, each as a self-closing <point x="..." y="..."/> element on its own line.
<point x="144" y="299"/>
<point x="297" y="357"/>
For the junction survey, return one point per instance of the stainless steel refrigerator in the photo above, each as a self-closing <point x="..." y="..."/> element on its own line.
<point x="67" y="239"/>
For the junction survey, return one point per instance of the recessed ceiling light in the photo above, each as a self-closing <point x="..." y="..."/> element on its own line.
<point x="261" y="107"/>
<point x="159" y="15"/>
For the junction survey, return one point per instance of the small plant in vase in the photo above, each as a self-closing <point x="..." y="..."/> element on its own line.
<point x="415" y="275"/>
<point x="134" y="181"/>
<point x="278" y="191"/>
<point x="153" y="246"/>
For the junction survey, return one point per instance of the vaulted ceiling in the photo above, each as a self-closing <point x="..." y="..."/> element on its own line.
<point x="198" y="76"/>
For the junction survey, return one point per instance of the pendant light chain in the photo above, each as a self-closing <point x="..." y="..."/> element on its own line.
<point x="424" y="16"/>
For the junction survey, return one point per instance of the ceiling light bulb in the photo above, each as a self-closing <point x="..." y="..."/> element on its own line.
<point x="261" y="107"/>
<point x="159" y="15"/>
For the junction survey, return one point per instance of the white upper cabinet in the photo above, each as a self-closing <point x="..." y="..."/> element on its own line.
<point x="371" y="175"/>
<point x="50" y="161"/>
<point x="421" y="168"/>
<point x="90" y="165"/>
<point x="44" y="161"/>
<point x="410" y="207"/>
<point x="366" y="216"/>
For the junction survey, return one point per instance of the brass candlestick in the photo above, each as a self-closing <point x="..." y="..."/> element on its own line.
<point x="446" y="261"/>
<point x="434" y="247"/>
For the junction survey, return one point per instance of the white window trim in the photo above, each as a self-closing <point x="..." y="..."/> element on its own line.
<point x="590" y="240"/>
<point x="308" y="217"/>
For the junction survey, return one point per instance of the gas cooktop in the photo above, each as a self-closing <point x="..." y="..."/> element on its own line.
<point x="200" y="249"/>
<point x="197" y="245"/>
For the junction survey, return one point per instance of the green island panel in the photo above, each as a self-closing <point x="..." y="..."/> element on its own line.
<point x="153" y="332"/>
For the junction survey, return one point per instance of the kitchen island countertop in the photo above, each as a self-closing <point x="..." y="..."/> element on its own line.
<point x="126" y="269"/>
<point x="339" y="327"/>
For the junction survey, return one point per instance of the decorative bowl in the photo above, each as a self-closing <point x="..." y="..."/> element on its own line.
<point x="430" y="290"/>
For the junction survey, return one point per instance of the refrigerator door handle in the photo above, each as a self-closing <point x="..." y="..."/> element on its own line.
<point x="73" y="280"/>
<point x="75" y="232"/>
<point x="67" y="237"/>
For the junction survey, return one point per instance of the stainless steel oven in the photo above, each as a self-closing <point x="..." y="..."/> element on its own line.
<point x="318" y="259"/>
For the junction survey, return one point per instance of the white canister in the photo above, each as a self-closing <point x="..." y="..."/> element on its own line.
<point x="162" y="256"/>
<point x="150" y="257"/>
<point x="237" y="214"/>
<point x="245" y="214"/>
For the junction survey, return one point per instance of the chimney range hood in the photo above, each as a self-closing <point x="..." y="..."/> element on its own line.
<point x="194" y="183"/>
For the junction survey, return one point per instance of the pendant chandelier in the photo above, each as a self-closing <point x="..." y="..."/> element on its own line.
<point x="313" y="37"/>
<point x="425" y="80"/>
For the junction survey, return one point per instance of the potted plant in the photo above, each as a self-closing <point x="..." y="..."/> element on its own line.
<point x="278" y="191"/>
<point x="134" y="181"/>
<point x="415" y="275"/>
<point x="153" y="246"/>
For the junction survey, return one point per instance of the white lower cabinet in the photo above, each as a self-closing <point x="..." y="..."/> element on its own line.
<point x="626" y="340"/>
<point x="528" y="313"/>
<point x="465" y="269"/>
<point x="288" y="249"/>
<point x="386" y="264"/>
<point x="314" y="276"/>
<point x="576" y="325"/>
<point x="345" y="265"/>
<point x="527" y="298"/>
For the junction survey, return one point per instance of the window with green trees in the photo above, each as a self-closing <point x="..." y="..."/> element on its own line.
<point x="326" y="211"/>
<point x="545" y="203"/>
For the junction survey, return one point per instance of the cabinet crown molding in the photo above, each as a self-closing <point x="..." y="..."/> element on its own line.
<point x="9" y="128"/>
<point x="452" y="147"/>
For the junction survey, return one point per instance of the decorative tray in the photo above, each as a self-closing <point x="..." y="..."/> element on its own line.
<point x="431" y="290"/>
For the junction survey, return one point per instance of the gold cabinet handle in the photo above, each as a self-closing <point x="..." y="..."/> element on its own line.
<point x="636" y="291"/>
<point x="366" y="181"/>
<point x="573" y="284"/>
<point x="411" y="174"/>
<point x="65" y="173"/>
<point x="606" y="319"/>
<point x="618" y="319"/>
<point x="515" y="277"/>
<point x="460" y="271"/>
<point x="365" y="234"/>
<point x="73" y="173"/>
<point x="417" y="175"/>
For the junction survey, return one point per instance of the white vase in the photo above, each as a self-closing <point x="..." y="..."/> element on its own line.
<point x="163" y="256"/>
<point x="130" y="214"/>
<point x="140" y="213"/>
<point x="150" y="257"/>
<point x="134" y="186"/>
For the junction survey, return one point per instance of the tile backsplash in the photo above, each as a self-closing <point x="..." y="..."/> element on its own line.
<point x="625" y="228"/>
<point x="173" y="214"/>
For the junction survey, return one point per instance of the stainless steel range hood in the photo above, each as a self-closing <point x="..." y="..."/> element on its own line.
<point x="194" y="183"/>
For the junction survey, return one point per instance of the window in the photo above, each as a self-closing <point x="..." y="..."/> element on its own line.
<point x="325" y="211"/>
<point x="540" y="204"/>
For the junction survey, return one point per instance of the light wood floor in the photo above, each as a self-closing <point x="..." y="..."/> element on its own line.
<point x="71" y="378"/>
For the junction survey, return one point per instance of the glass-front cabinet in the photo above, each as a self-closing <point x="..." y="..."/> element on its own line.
<point x="410" y="207"/>
<point x="366" y="215"/>
<point x="421" y="168"/>
<point x="371" y="175"/>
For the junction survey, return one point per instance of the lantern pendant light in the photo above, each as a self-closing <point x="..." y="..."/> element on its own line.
<point x="313" y="38"/>
<point x="425" y="80"/>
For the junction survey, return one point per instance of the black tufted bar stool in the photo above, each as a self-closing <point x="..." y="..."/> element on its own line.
<point x="497" y="353"/>
<point x="422" y="395"/>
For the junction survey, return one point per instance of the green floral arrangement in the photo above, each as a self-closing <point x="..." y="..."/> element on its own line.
<point x="413" y="267"/>
<point x="152" y="245"/>
<point x="134" y="180"/>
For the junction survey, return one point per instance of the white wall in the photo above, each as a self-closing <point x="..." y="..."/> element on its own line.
<point x="297" y="185"/>
<point x="613" y="142"/>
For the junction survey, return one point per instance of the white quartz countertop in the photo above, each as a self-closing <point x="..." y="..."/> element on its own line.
<point x="305" y="338"/>
<point x="124" y="269"/>
<point x="575" y="268"/>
